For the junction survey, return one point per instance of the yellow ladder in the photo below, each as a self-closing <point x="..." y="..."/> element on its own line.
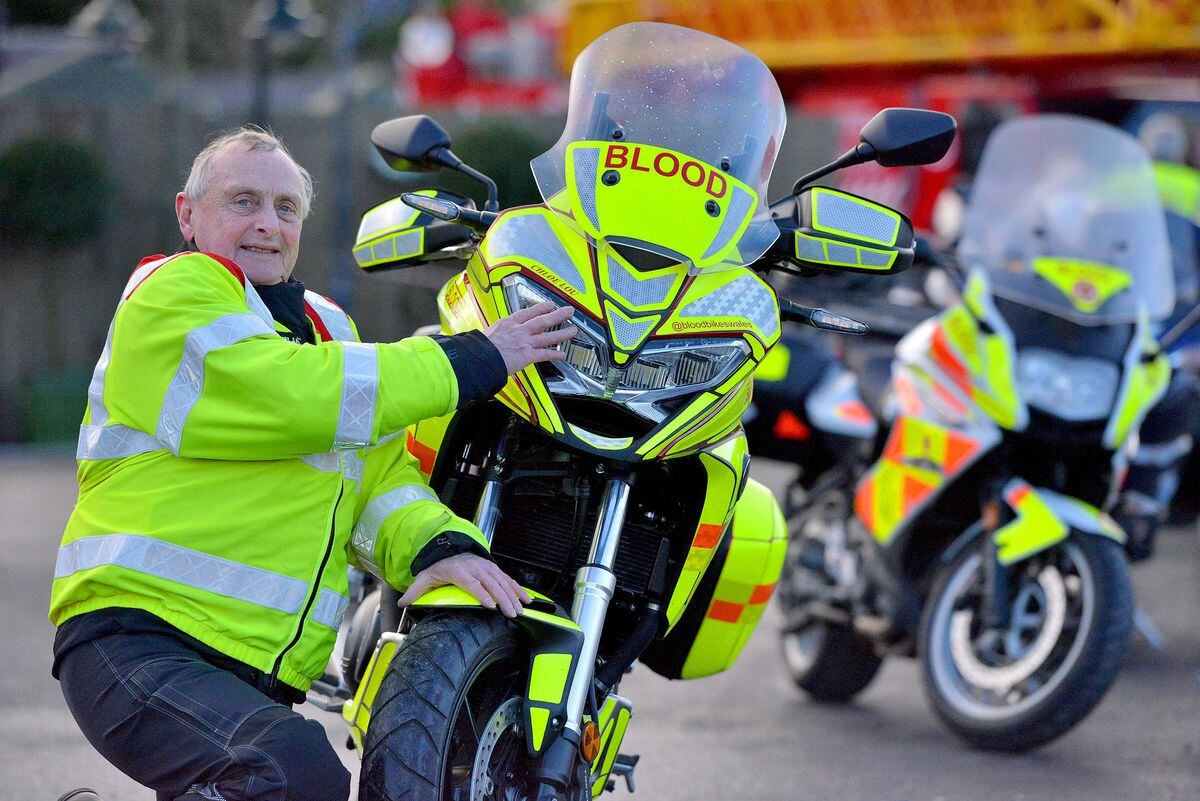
<point x="804" y="34"/>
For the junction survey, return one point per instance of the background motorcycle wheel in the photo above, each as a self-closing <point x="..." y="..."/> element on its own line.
<point x="831" y="664"/>
<point x="448" y="714"/>
<point x="1095" y="596"/>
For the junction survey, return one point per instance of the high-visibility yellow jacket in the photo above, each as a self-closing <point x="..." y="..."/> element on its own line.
<point x="226" y="475"/>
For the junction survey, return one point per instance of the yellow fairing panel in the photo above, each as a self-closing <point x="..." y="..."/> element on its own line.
<point x="538" y="241"/>
<point x="632" y="306"/>
<point x="746" y="302"/>
<point x="458" y="307"/>
<point x="725" y="466"/>
<point x="982" y="364"/>
<point x="700" y="212"/>
<point x="919" y="459"/>
<point x="1147" y="371"/>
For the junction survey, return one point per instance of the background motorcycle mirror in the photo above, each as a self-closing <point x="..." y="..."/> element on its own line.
<point x="903" y="137"/>
<point x="829" y="229"/>
<point x="412" y="144"/>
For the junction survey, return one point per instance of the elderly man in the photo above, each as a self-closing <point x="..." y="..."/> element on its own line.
<point x="235" y="434"/>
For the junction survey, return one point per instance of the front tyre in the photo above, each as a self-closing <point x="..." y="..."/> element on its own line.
<point x="1017" y="688"/>
<point x="830" y="663"/>
<point x="447" y="720"/>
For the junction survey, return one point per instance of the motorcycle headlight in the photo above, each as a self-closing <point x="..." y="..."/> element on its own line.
<point x="585" y="351"/>
<point x="682" y="364"/>
<point x="660" y="372"/>
<point x="1073" y="388"/>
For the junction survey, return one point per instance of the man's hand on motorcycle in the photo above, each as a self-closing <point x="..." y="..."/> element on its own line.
<point x="523" y="339"/>
<point x="478" y="576"/>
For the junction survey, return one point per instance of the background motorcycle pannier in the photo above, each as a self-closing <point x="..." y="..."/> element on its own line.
<point x="778" y="426"/>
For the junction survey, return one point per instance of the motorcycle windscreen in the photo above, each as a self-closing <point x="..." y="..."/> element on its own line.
<point x="1064" y="216"/>
<point x="670" y="139"/>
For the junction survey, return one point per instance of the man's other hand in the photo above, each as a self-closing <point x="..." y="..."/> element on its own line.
<point x="478" y="576"/>
<point x="523" y="337"/>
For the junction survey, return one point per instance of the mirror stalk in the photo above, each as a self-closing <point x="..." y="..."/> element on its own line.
<point x="860" y="154"/>
<point x="447" y="159"/>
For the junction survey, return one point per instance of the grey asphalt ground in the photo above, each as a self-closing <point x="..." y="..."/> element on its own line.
<point x="746" y="734"/>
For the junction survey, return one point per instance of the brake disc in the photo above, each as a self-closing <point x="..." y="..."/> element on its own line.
<point x="1001" y="679"/>
<point x="505" y="717"/>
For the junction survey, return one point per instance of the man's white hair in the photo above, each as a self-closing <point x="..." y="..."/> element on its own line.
<point x="251" y="137"/>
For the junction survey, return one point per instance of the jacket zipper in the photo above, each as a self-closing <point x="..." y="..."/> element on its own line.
<point x="316" y="588"/>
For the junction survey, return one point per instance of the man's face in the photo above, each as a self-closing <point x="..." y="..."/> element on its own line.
<point x="250" y="213"/>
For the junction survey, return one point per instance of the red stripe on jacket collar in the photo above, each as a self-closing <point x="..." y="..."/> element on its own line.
<point x="232" y="266"/>
<point x="317" y="322"/>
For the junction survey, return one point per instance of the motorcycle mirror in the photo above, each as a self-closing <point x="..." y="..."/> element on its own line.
<point x="903" y="137"/>
<point x="418" y="144"/>
<point x="413" y="144"/>
<point x="895" y="137"/>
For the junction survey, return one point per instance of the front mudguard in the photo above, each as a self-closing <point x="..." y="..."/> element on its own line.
<point x="555" y="642"/>
<point x="1043" y="518"/>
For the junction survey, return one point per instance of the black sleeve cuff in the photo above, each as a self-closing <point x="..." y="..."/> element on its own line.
<point x="478" y="365"/>
<point x="448" y="543"/>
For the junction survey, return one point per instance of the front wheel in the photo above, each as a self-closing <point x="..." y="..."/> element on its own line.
<point x="830" y="663"/>
<point x="1019" y="687"/>
<point x="447" y="720"/>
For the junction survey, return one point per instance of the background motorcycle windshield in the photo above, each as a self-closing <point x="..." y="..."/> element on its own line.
<point x="670" y="139"/>
<point x="1064" y="216"/>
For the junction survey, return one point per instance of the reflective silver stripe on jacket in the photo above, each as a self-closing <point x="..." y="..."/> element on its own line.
<point x="257" y="306"/>
<point x="366" y="530"/>
<point x="203" y="571"/>
<point x="351" y="464"/>
<point x="113" y="442"/>
<point x="329" y="609"/>
<point x="184" y="390"/>
<point x="336" y="321"/>
<point x="360" y="385"/>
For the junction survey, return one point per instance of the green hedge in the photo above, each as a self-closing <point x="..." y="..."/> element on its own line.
<point x="53" y="192"/>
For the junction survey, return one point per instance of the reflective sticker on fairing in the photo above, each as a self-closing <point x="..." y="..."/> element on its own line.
<point x="745" y="297"/>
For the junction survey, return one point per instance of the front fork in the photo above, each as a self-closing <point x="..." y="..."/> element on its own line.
<point x="997" y="605"/>
<point x="594" y="586"/>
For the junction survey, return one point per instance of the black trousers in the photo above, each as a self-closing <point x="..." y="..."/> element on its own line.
<point x="172" y="721"/>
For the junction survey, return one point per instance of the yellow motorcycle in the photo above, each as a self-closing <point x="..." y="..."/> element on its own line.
<point x="612" y="484"/>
